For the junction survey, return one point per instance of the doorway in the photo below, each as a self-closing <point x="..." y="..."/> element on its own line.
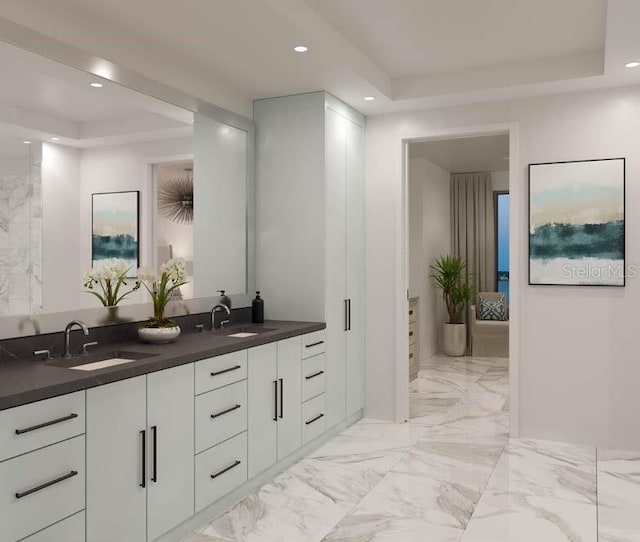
<point x="172" y="183"/>
<point x="457" y="203"/>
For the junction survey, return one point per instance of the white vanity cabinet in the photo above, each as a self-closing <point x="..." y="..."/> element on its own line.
<point x="311" y="147"/>
<point x="275" y="396"/>
<point x="140" y="456"/>
<point x="42" y="466"/>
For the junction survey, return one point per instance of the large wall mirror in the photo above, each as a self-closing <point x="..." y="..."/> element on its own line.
<point x="91" y="170"/>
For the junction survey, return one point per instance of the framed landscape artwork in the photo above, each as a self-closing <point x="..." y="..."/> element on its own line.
<point x="576" y="223"/>
<point x="115" y="228"/>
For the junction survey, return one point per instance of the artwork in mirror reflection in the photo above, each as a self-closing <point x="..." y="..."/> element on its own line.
<point x="576" y="223"/>
<point x="115" y="228"/>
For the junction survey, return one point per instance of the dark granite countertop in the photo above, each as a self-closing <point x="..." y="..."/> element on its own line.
<point x="26" y="381"/>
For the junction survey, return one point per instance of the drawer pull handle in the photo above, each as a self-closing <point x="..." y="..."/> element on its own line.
<point x="410" y="356"/>
<point x="46" y="424"/>
<point x="223" y="412"/>
<point x="47" y="484"/>
<point x="226" y="370"/>
<point x="410" y="333"/>
<point x="226" y="469"/>
<point x="314" y="419"/>
<point x="313" y="344"/>
<point x="314" y="375"/>
<point x="410" y="313"/>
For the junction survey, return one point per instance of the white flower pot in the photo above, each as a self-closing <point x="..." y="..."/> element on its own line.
<point x="455" y="339"/>
<point x="159" y="335"/>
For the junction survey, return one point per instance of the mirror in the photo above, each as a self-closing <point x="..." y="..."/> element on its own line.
<point x="90" y="170"/>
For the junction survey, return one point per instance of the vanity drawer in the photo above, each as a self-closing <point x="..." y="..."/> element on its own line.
<point x="412" y="333"/>
<point x="313" y="418"/>
<point x="67" y="530"/>
<point x="220" y="371"/>
<point x="313" y="376"/>
<point x="220" y="470"/>
<point x="29" y="427"/>
<point x="220" y="414"/>
<point x="42" y="487"/>
<point x="313" y="343"/>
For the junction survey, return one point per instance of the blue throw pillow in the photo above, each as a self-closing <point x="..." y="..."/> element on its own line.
<point x="492" y="309"/>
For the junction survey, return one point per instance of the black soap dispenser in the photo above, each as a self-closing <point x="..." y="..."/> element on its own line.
<point x="224" y="299"/>
<point x="257" y="309"/>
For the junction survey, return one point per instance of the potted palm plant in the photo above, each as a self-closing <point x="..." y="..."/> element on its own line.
<point x="448" y="275"/>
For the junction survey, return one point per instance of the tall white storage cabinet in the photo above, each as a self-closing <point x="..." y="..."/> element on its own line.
<point x="310" y="230"/>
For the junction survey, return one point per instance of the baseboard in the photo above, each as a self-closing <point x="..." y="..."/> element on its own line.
<point x="220" y="506"/>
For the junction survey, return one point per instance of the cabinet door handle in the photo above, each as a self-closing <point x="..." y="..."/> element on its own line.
<point x="313" y="344"/>
<point x="275" y="400"/>
<point x="226" y="411"/>
<point x="154" y="471"/>
<point x="314" y="375"/>
<point x="226" y="370"/>
<point x="314" y="419"/>
<point x="349" y="314"/>
<point x="346" y="316"/>
<point x="47" y="484"/>
<point x="143" y="478"/>
<point x="46" y="424"/>
<point x="226" y="469"/>
<point x="281" y="398"/>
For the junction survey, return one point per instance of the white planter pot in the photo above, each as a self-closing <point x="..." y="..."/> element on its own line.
<point x="455" y="339"/>
<point x="159" y="335"/>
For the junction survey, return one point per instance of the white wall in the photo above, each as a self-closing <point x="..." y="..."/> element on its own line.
<point x="578" y="361"/>
<point x="429" y="238"/>
<point x="500" y="180"/>
<point x="62" y="268"/>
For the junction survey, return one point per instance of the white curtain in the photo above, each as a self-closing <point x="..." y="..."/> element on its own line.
<point x="473" y="227"/>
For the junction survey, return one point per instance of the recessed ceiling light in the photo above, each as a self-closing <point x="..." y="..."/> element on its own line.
<point x="632" y="64"/>
<point x="55" y="139"/>
<point x="369" y="98"/>
<point x="300" y="48"/>
<point x="27" y="142"/>
<point x="96" y="85"/>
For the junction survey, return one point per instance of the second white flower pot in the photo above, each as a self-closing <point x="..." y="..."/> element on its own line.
<point x="455" y="339"/>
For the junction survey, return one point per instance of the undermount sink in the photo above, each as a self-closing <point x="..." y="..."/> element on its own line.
<point x="248" y="331"/>
<point x="93" y="362"/>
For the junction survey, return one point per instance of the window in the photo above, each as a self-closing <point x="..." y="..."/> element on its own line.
<point x="502" y="242"/>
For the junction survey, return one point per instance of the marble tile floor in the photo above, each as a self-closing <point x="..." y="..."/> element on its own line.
<point x="450" y="474"/>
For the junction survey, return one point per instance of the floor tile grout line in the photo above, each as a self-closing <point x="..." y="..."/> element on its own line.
<point x="486" y="485"/>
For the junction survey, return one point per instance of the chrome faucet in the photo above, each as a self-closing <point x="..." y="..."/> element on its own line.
<point x="215" y="309"/>
<point x="67" y="331"/>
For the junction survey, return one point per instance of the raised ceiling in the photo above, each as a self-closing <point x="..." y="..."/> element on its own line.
<point x="40" y="99"/>
<point x="465" y="154"/>
<point x="406" y="53"/>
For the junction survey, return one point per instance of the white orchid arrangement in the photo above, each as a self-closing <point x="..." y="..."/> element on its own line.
<point x="160" y="287"/>
<point x="107" y="282"/>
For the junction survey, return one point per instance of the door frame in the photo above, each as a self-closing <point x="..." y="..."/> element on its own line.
<point x="517" y="242"/>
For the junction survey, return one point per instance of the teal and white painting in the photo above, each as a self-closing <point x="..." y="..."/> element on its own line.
<point x="576" y="223"/>
<point x="115" y="228"/>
